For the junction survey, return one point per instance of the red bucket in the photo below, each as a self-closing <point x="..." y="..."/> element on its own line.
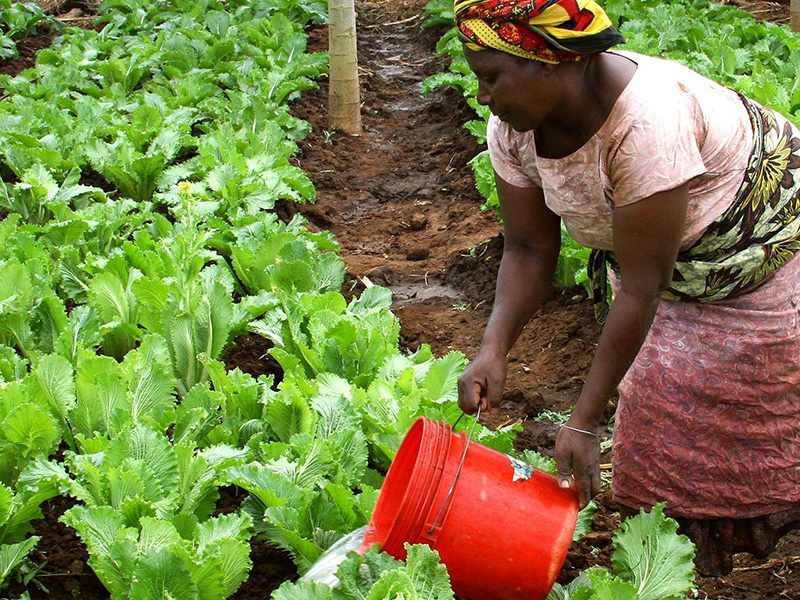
<point x="502" y="527"/>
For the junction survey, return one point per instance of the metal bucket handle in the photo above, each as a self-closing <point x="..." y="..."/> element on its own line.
<point x="435" y="523"/>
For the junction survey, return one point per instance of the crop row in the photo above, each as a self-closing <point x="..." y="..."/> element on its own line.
<point x="141" y="163"/>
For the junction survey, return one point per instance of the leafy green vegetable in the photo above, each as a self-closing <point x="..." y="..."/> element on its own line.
<point x="17" y="510"/>
<point x="19" y="20"/>
<point x="137" y="157"/>
<point x="377" y="576"/>
<point x="31" y="315"/>
<point x="12" y="556"/>
<point x="321" y="334"/>
<point x="39" y="198"/>
<point x="649" y="553"/>
<point x="206" y="561"/>
<point x="650" y="561"/>
<point x="111" y="396"/>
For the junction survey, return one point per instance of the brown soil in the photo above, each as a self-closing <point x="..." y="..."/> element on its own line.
<point x="402" y="204"/>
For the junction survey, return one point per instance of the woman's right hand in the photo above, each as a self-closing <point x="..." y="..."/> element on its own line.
<point x="482" y="383"/>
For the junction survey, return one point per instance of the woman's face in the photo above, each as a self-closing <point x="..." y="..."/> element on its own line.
<point x="517" y="90"/>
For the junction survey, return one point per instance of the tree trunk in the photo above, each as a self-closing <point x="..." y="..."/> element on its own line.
<point x="794" y="12"/>
<point x="344" y="98"/>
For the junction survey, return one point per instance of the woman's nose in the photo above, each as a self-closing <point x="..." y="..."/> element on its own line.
<point x="483" y="97"/>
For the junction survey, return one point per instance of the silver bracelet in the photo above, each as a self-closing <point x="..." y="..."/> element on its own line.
<point x="578" y="430"/>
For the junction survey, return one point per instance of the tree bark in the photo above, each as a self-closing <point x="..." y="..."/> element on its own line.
<point x="794" y="12"/>
<point x="344" y="98"/>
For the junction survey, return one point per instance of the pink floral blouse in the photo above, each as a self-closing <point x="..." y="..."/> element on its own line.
<point x="670" y="125"/>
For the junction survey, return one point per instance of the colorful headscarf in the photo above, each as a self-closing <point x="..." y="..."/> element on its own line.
<point x="547" y="30"/>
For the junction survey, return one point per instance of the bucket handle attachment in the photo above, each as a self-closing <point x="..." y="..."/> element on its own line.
<point x="435" y="523"/>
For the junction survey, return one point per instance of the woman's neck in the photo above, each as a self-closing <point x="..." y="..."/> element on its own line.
<point x="591" y="91"/>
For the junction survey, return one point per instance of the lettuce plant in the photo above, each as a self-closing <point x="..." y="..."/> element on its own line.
<point x="321" y="333"/>
<point x="157" y="559"/>
<point x="376" y="576"/>
<point x="18" y="20"/>
<point x="31" y="315"/>
<point x="110" y="397"/>
<point x="650" y="562"/>
<point x="20" y="502"/>
<point x="138" y="156"/>
<point x="302" y="483"/>
<point x="146" y="517"/>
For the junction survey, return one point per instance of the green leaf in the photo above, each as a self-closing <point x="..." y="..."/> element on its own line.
<point x="443" y="375"/>
<point x="31" y="430"/>
<point x="429" y="575"/>
<point x="111" y="546"/>
<point x="6" y="498"/>
<point x="81" y="331"/>
<point x="566" y="592"/>
<point x="25" y="506"/>
<point x="649" y="553"/>
<point x="544" y="463"/>
<point x="198" y="413"/>
<point x="373" y="297"/>
<point x="395" y="584"/>
<point x="150" y="448"/>
<point x="313" y="464"/>
<point x="156" y="535"/>
<point x="358" y="574"/>
<point x="103" y="404"/>
<point x="162" y="575"/>
<point x="150" y="382"/>
<point x="605" y="586"/>
<point x="302" y="589"/>
<point x="12" y="366"/>
<point x="266" y="487"/>
<point x="113" y="300"/>
<point x="230" y="560"/>
<point x="584" y="523"/>
<point x="53" y="380"/>
<point x="228" y="526"/>
<point x="11" y="555"/>
<point x="290" y="415"/>
<point x="16" y="296"/>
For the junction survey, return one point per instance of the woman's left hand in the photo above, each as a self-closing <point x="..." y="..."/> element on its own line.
<point x="578" y="463"/>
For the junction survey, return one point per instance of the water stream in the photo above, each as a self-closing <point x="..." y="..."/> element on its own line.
<point x="324" y="570"/>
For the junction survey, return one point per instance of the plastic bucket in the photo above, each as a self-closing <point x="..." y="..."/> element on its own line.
<point x="503" y="529"/>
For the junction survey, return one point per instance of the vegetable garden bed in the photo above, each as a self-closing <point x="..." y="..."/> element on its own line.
<point x="401" y="203"/>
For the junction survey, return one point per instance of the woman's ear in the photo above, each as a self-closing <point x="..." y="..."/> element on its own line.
<point x="549" y="68"/>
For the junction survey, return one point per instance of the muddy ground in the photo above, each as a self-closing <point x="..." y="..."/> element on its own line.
<point x="401" y="200"/>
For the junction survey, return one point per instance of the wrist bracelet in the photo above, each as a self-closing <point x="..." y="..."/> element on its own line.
<point x="578" y="430"/>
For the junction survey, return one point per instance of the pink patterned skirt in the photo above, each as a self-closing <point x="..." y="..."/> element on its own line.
<point x="709" y="413"/>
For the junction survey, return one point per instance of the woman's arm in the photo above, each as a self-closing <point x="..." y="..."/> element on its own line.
<point x="647" y="237"/>
<point x="532" y="241"/>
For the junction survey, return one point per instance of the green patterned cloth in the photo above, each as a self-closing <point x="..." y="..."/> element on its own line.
<point x="758" y="233"/>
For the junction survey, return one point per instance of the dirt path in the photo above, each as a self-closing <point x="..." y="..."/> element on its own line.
<point x="402" y="203"/>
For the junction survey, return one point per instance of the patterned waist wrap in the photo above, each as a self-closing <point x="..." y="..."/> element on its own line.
<point x="755" y="236"/>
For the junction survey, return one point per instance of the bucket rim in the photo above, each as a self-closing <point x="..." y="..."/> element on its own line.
<point x="429" y="443"/>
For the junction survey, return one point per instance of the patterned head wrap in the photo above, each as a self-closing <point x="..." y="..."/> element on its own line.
<point x="551" y="31"/>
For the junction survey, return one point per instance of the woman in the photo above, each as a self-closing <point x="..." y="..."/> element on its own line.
<point x="691" y="192"/>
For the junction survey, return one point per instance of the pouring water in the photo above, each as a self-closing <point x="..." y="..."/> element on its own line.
<point x="324" y="570"/>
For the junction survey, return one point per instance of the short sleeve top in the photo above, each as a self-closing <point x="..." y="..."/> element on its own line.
<point x="669" y="126"/>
